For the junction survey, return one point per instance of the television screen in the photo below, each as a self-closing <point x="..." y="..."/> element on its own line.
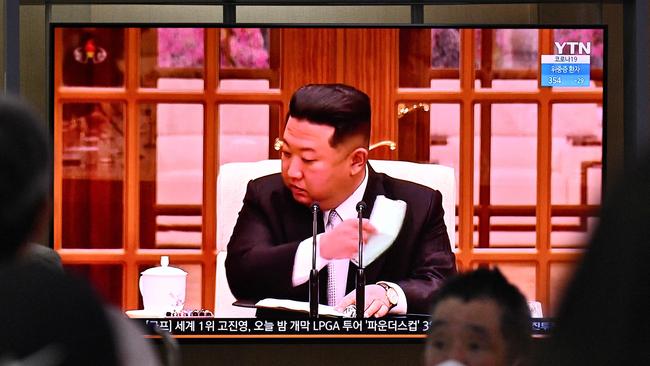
<point x="149" y="119"/>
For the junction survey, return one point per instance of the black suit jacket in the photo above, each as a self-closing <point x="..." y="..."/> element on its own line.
<point x="272" y="224"/>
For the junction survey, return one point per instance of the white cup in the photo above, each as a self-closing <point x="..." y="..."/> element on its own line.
<point x="163" y="288"/>
<point x="535" y="309"/>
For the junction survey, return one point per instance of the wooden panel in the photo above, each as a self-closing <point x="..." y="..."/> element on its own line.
<point x="413" y="136"/>
<point x="308" y="56"/>
<point x="415" y="58"/>
<point x="413" y="70"/>
<point x="370" y="59"/>
<point x="466" y="173"/>
<point x="210" y="171"/>
<point x="132" y="171"/>
<point x="57" y="221"/>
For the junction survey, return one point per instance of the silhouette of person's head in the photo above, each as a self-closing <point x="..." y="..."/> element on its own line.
<point x="25" y="179"/>
<point x="47" y="317"/>
<point x="479" y="318"/>
<point x="603" y="317"/>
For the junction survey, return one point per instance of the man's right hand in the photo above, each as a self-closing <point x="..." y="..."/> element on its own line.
<point x="343" y="241"/>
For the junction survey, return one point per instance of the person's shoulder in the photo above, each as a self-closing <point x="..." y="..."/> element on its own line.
<point x="38" y="280"/>
<point x="37" y="253"/>
<point x="47" y="307"/>
<point x="267" y="183"/>
<point x="266" y="186"/>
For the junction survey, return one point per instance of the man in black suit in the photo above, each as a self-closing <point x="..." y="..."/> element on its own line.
<point x="325" y="160"/>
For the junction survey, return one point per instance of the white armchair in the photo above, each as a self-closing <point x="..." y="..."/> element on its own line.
<point x="231" y="188"/>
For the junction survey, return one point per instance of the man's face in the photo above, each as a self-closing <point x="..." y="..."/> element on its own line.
<point x="467" y="332"/>
<point x="313" y="170"/>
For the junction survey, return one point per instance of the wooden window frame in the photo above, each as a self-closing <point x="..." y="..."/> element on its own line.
<point x="387" y="98"/>
<point x="542" y="255"/>
<point x="130" y="257"/>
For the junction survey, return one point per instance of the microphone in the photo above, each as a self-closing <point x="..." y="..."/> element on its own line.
<point x="313" y="274"/>
<point x="361" y="276"/>
<point x="361" y="206"/>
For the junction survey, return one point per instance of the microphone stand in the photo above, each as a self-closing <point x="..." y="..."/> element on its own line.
<point x="361" y="276"/>
<point x="313" y="274"/>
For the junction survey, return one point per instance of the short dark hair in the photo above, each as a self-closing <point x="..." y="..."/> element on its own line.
<point x="486" y="284"/>
<point x="25" y="182"/>
<point x="341" y="106"/>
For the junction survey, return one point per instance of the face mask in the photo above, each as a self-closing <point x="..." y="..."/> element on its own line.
<point x="450" y="363"/>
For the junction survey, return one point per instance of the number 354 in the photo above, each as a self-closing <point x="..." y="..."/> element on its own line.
<point x="555" y="80"/>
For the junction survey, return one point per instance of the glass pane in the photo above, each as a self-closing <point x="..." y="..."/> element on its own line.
<point x="444" y="142"/>
<point x="426" y="54"/>
<point x="171" y="175"/>
<point x="445" y="48"/>
<point x="513" y="174"/>
<point x="576" y="169"/>
<point x="249" y="53"/>
<point x="445" y="58"/>
<point x="477" y="152"/>
<point x="194" y="287"/>
<point x="514" y="85"/>
<point x="445" y="84"/>
<point x="444" y="139"/>
<point x="515" y="49"/>
<point x="93" y="175"/>
<point x="244" y="129"/>
<point x="105" y="278"/>
<point x="561" y="273"/>
<point x="482" y="38"/>
<point x="172" y="58"/>
<point x="246" y="48"/>
<point x="244" y="85"/>
<point x="445" y="134"/>
<point x="513" y="154"/>
<point x="513" y="65"/>
<point x="436" y="68"/>
<point x="93" y="57"/>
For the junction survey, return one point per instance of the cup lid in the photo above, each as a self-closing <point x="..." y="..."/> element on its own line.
<point x="164" y="269"/>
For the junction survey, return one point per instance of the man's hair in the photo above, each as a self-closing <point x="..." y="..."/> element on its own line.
<point x="338" y="105"/>
<point x="485" y="284"/>
<point x="25" y="164"/>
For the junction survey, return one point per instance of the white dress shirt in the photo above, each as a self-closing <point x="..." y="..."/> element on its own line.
<point x="302" y="261"/>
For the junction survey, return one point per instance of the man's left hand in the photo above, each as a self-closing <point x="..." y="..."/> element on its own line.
<point x="377" y="303"/>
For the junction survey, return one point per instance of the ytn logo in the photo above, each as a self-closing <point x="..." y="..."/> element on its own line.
<point x="584" y="48"/>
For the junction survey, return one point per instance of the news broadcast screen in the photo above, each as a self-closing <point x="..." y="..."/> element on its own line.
<point x="159" y="129"/>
